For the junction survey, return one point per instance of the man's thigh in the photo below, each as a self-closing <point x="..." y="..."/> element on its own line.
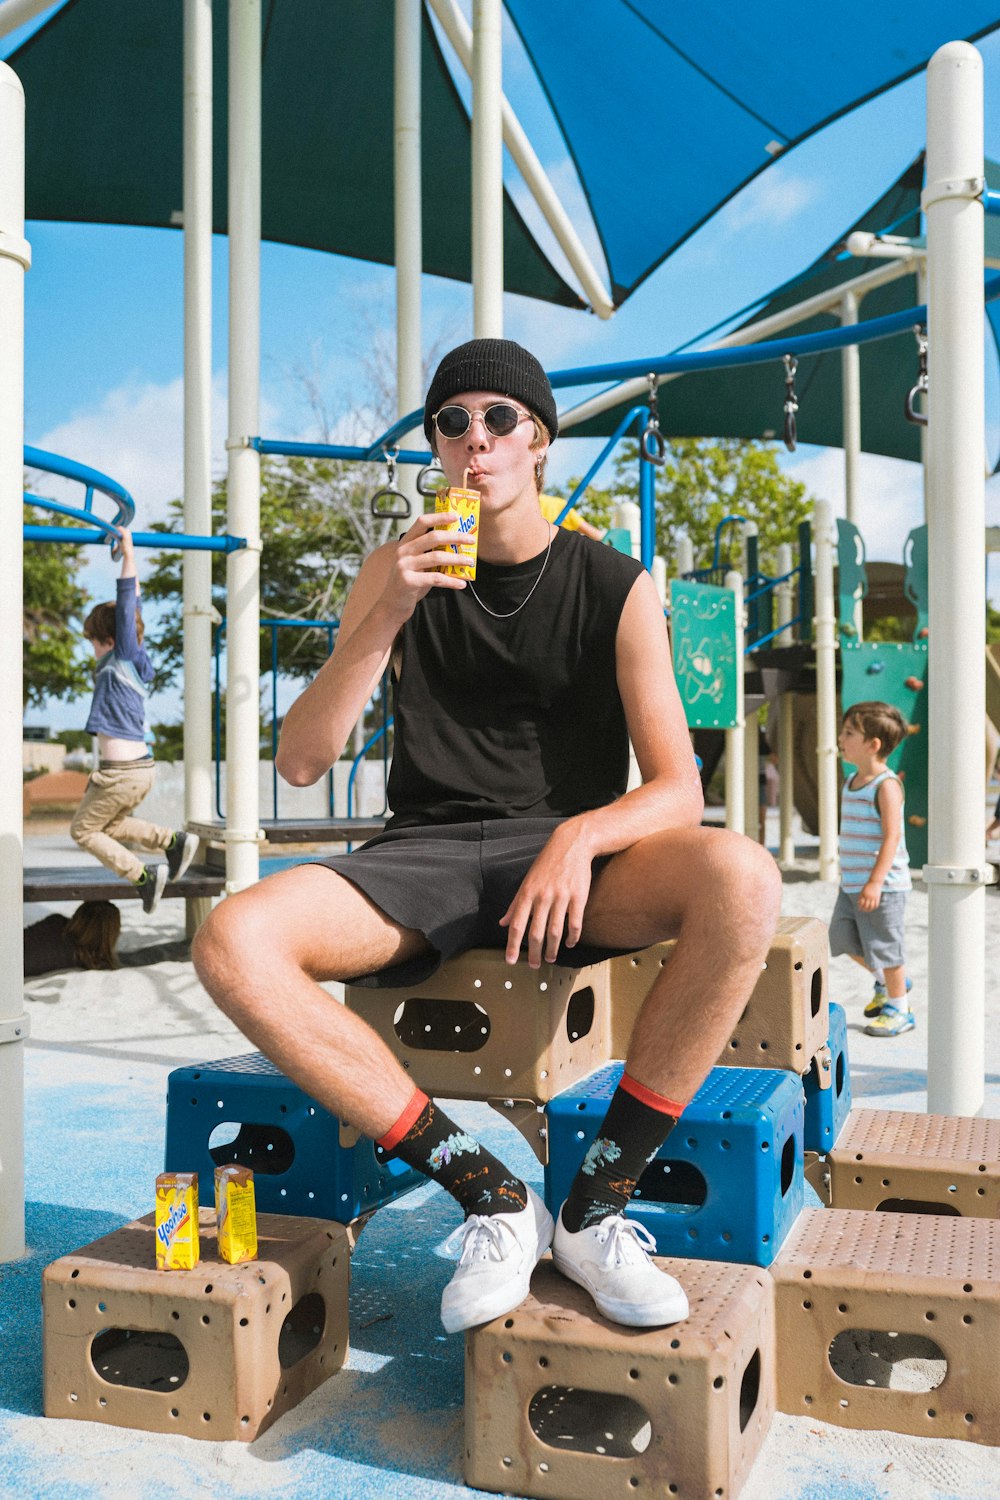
<point x="645" y="893"/>
<point x="322" y="922"/>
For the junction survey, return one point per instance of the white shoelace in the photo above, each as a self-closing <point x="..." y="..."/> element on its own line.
<point x="626" y="1242"/>
<point x="480" y="1239"/>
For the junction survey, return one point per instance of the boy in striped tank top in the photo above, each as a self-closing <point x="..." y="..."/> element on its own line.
<point x="867" y="921"/>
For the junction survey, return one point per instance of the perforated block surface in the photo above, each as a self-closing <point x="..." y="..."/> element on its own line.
<point x="893" y="1156"/>
<point x="217" y="1352"/>
<point x="726" y="1185"/>
<point x="786" y="1019"/>
<point x="482" y="1029"/>
<point x="296" y="1149"/>
<point x="561" y="1403"/>
<point x="869" y="1302"/>
<point x="827" y="1087"/>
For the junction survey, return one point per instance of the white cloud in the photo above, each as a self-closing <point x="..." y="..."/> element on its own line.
<point x="135" y="434"/>
<point x="771" y="199"/>
<point x="890" y="495"/>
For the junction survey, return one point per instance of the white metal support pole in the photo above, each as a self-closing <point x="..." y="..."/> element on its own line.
<point x="243" y="569"/>
<point x="487" y="169"/>
<point x="197" y="566"/>
<point x="955" y="871"/>
<point x="922" y="296"/>
<point x="15" y="258"/>
<point x="826" y="692"/>
<point x="735" y="799"/>
<point x="408" y="219"/>
<point x="786" y="718"/>
<point x="850" y="371"/>
<point x="683" y="554"/>
<point x="15" y="13"/>
<point x="456" y="28"/>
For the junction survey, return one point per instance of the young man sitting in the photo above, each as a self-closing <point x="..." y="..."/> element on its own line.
<point x="515" y="697"/>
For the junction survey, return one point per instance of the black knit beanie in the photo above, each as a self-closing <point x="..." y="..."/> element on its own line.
<point x="492" y="365"/>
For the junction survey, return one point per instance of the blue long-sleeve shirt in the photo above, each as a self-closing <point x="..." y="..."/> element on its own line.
<point x="122" y="678"/>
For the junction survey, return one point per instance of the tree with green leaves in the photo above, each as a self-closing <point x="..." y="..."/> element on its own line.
<point x="55" y="665"/>
<point x="703" y="480"/>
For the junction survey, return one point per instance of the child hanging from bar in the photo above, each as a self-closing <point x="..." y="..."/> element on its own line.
<point x="126" y="770"/>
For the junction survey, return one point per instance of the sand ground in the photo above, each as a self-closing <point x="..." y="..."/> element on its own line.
<point x="117" y="1036"/>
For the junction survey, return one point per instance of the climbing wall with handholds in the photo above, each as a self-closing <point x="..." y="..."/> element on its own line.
<point x="896" y="672"/>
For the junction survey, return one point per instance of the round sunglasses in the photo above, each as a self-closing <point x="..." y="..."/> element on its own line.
<point x="499" y="419"/>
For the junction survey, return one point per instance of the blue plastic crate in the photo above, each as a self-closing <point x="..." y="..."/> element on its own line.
<point x="827" y="1109"/>
<point x="241" y="1109"/>
<point x="726" y="1185"/>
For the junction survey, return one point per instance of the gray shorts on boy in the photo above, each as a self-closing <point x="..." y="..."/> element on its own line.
<point x="876" y="936"/>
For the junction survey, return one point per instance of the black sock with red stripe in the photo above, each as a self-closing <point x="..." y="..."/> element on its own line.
<point x="637" y="1123"/>
<point x="424" y="1137"/>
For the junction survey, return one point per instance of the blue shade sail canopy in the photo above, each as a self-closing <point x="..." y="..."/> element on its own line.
<point x="697" y="99"/>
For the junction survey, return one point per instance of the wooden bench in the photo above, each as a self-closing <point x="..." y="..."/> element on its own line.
<point x="95" y="883"/>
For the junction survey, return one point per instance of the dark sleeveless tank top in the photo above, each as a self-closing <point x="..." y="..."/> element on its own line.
<point x="519" y="717"/>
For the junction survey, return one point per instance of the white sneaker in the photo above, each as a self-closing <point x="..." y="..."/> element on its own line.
<point x="497" y="1254"/>
<point x="611" y="1261"/>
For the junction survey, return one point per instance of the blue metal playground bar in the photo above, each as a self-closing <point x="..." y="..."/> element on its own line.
<point x="802" y="345"/>
<point x="377" y="452"/>
<point x="170" y="541"/>
<point x="97" y="529"/>
<point x="92" y="479"/>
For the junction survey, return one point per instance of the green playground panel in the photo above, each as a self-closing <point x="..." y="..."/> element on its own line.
<point x="703" y="637"/>
<point x="887" y="670"/>
<point x="620" y="538"/>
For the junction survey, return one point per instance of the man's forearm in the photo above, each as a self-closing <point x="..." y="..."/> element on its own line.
<point x="651" y="808"/>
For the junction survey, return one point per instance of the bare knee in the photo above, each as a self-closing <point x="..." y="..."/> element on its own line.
<point x="233" y="949"/>
<point x="754" y="879"/>
<point x="740" y="888"/>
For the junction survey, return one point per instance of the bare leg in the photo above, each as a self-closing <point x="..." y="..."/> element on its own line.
<point x="260" y="955"/>
<point x="895" y="984"/>
<point x="720" y="894"/>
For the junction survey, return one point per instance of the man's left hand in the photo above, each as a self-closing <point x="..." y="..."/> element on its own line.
<point x="551" y="899"/>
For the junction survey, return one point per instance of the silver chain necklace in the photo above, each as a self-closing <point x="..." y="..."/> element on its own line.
<point x="511" y="612"/>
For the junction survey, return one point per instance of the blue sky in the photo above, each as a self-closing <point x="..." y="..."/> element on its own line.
<point x="104" y="316"/>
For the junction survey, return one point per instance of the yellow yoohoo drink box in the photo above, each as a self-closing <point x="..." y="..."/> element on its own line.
<point x="236" y="1213"/>
<point x="177" y="1245"/>
<point x="466" y="503"/>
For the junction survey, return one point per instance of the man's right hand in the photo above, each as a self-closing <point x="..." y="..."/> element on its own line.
<point x="418" y="557"/>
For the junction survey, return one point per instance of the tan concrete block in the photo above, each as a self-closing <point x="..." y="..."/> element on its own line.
<point x="482" y="1029"/>
<point x="891" y="1321"/>
<point x="560" y="1403"/>
<point x="785" y="1021"/>
<point x="936" y="1163"/>
<point x="217" y="1352"/>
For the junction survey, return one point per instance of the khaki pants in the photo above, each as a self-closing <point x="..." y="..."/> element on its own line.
<point x="102" y="819"/>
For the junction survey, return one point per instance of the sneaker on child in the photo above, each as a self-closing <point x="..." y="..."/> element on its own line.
<point x="180" y="853"/>
<point x="496" y="1256"/>
<point x="891" y="1021"/>
<point x="611" y="1260"/>
<point x="880" y="997"/>
<point x="150" y="886"/>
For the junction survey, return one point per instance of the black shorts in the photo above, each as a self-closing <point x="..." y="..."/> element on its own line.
<point x="452" y="882"/>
